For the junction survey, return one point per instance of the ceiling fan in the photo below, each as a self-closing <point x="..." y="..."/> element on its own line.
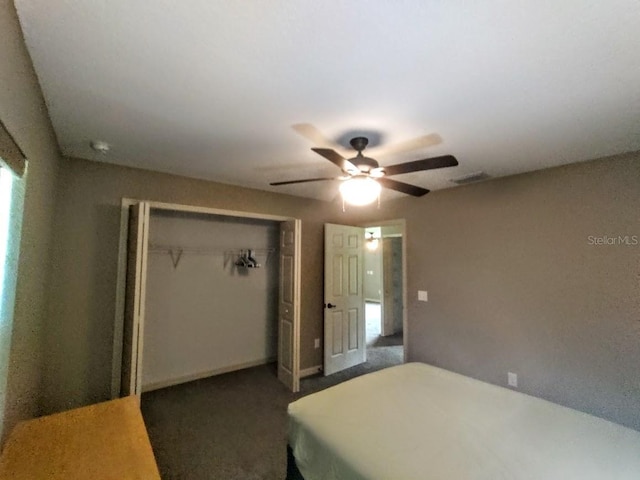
<point x="363" y="176"/>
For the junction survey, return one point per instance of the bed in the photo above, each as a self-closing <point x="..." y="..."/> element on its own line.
<point x="416" y="421"/>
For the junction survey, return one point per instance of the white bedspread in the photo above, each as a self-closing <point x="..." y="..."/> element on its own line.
<point x="416" y="421"/>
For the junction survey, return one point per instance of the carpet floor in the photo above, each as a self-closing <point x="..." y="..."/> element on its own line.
<point x="234" y="426"/>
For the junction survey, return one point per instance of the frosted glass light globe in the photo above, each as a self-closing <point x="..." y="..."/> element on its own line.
<point x="360" y="190"/>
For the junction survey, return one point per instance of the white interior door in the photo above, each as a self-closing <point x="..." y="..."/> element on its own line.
<point x="131" y="383"/>
<point x="344" y="321"/>
<point x="289" y="306"/>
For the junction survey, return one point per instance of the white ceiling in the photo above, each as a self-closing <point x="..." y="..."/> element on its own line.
<point x="212" y="89"/>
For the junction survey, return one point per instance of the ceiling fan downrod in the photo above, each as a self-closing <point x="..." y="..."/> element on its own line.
<point x="364" y="164"/>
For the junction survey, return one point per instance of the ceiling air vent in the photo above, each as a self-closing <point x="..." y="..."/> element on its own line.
<point x="470" y="178"/>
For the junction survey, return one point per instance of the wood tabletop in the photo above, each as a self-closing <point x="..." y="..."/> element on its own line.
<point x="103" y="441"/>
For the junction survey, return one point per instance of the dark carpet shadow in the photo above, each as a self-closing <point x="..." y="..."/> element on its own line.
<point x="234" y="426"/>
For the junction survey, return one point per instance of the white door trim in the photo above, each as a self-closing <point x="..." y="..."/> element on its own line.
<point x="118" y="329"/>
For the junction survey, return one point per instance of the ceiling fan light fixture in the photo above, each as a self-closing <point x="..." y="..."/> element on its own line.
<point x="372" y="243"/>
<point x="377" y="172"/>
<point x="363" y="177"/>
<point x="360" y="191"/>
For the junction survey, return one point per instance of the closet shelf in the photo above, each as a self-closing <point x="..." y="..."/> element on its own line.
<point x="176" y="252"/>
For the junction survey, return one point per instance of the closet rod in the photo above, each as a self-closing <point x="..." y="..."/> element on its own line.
<point x="208" y="251"/>
<point x="176" y="252"/>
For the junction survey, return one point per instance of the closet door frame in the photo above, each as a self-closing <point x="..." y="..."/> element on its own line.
<point x="118" y="330"/>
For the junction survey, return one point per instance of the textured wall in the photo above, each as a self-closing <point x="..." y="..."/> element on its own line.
<point x="516" y="283"/>
<point x="23" y="112"/>
<point x="80" y="328"/>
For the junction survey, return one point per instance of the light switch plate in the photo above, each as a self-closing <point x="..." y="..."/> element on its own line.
<point x="423" y="296"/>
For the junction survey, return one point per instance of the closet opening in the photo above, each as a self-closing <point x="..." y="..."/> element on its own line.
<point x="212" y="296"/>
<point x="203" y="292"/>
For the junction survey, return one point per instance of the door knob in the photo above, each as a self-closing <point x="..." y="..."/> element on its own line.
<point x="330" y="305"/>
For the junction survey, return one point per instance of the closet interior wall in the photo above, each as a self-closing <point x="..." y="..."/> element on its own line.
<point x="204" y="314"/>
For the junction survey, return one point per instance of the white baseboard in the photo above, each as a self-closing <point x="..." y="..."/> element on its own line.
<point x="307" y="372"/>
<point x="209" y="373"/>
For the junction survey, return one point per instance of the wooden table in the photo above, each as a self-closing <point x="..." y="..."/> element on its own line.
<point x="99" y="442"/>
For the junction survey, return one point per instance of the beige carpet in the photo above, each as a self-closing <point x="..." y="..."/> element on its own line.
<point x="234" y="426"/>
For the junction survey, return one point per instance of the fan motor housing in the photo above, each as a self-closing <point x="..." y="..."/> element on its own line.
<point x="365" y="164"/>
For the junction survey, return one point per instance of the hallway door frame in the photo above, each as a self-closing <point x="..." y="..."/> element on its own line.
<point x="400" y="225"/>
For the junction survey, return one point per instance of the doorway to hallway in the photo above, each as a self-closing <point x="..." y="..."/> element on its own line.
<point x="384" y="293"/>
<point x="386" y="350"/>
<point x="364" y="284"/>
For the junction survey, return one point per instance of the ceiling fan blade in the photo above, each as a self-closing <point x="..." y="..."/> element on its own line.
<point x="289" y="182"/>
<point x="316" y="137"/>
<point x="407" y="146"/>
<point x="337" y="159"/>
<point x="402" y="187"/>
<point x="420" y="165"/>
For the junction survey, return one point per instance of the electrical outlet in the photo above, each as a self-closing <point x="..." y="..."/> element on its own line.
<point x="316" y="343"/>
<point x="512" y="379"/>
<point x="423" y="296"/>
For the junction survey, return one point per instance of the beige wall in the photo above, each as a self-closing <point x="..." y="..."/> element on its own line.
<point x="80" y="327"/>
<point x="24" y="114"/>
<point x="514" y="284"/>
<point x="373" y="275"/>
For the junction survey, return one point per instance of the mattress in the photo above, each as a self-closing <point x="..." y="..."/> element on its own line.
<point x="416" y="421"/>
